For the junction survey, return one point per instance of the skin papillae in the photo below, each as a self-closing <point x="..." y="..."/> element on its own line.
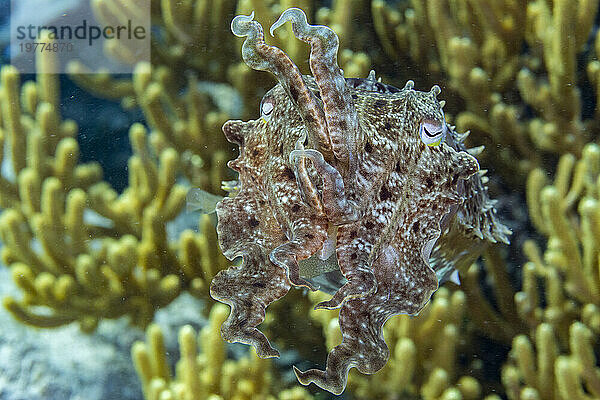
<point x="331" y="154"/>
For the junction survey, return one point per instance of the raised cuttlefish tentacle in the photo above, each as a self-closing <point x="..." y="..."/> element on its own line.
<point x="260" y="56"/>
<point x="338" y="208"/>
<point x="340" y="112"/>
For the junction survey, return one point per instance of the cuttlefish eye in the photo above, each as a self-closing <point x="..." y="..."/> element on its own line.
<point x="266" y="109"/>
<point x="432" y="132"/>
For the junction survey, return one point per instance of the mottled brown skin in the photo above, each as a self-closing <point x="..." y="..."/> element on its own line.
<point x="267" y="214"/>
<point x="333" y="152"/>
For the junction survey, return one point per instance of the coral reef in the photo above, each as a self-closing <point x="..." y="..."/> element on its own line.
<point x="556" y="357"/>
<point x="80" y="251"/>
<point x="208" y="375"/>
<point x="524" y="77"/>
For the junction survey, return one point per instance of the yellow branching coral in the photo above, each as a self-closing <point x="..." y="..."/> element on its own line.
<point x="208" y="375"/>
<point x="567" y="212"/>
<point x="195" y="34"/>
<point x="557" y="32"/>
<point x="478" y="44"/>
<point x="191" y="35"/>
<point x="184" y="122"/>
<point x="77" y="249"/>
<point x="544" y="373"/>
<point x="181" y="114"/>
<point x="560" y="296"/>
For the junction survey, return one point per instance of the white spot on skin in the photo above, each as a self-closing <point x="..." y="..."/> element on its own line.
<point x="266" y="109"/>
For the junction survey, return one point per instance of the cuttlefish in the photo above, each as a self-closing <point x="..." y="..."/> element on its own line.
<point x="351" y="186"/>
